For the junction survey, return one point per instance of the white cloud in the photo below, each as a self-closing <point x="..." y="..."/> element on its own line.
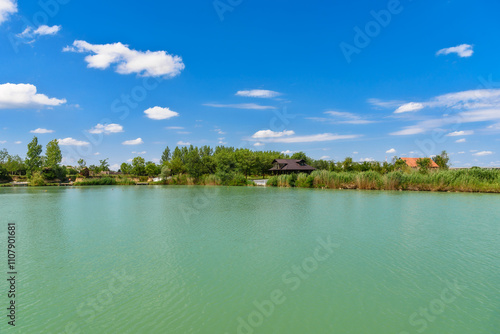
<point x="483" y="153"/>
<point x="309" y="139"/>
<point x="390" y="151"/>
<point x="46" y="30"/>
<point x="479" y="105"/>
<point x="18" y="142"/>
<point x="3" y="141"/>
<point x="366" y="159"/>
<point x="409" y="130"/>
<point x="159" y="113"/>
<point x="272" y="134"/>
<point x="409" y="107"/>
<point x="355" y="152"/>
<point x="341" y="117"/>
<point x="137" y="141"/>
<point x="260" y="93"/>
<point x="97" y="153"/>
<point x="174" y="128"/>
<point x="18" y="96"/>
<point x="460" y="133"/>
<point x="385" y="104"/>
<point x="183" y="132"/>
<point x="253" y="106"/>
<point x="463" y="50"/>
<point x="41" y="131"/>
<point x="148" y="63"/>
<point x="139" y="153"/>
<point x="72" y="142"/>
<point x="461" y="152"/>
<point x="463" y="140"/>
<point x="183" y="143"/>
<point x="106" y="128"/>
<point x="287" y="152"/>
<point x="7" y="7"/>
<point x="259" y="144"/>
<point x="324" y="157"/>
<point x="114" y="167"/>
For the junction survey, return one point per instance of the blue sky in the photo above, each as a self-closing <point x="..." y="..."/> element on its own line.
<point x="365" y="79"/>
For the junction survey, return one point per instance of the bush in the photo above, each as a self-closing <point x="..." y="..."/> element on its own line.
<point x="36" y="179"/>
<point x="105" y="181"/>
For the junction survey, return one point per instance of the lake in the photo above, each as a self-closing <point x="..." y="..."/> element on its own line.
<point x="179" y="259"/>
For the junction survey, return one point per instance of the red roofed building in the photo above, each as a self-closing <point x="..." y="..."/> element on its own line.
<point x="412" y="162"/>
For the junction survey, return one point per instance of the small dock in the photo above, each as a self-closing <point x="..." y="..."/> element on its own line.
<point x="260" y="183"/>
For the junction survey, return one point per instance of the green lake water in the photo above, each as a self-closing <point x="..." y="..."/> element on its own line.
<point x="174" y="259"/>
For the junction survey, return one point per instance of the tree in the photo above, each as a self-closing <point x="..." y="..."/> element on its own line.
<point x="15" y="165"/>
<point x="165" y="157"/>
<point x="138" y="166"/>
<point x="442" y="160"/>
<point x="126" y="168"/>
<point x="4" y="155"/>
<point x="152" y="169"/>
<point x="104" y="165"/>
<point x="53" y="154"/>
<point x="347" y="165"/>
<point x="424" y="164"/>
<point x="33" y="157"/>
<point x="81" y="164"/>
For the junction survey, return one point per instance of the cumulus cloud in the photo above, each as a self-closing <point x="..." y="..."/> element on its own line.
<point x="272" y="134"/>
<point x="18" y="142"/>
<point x="19" y="96"/>
<point x="483" y="153"/>
<point x="287" y="152"/>
<point x="366" y="159"/>
<point x="324" y="157"/>
<point x="460" y="133"/>
<point x="7" y="8"/>
<point x="409" y="107"/>
<point x="239" y="106"/>
<point x="463" y="140"/>
<point x="183" y="143"/>
<point x="259" y="144"/>
<point x="41" y="131"/>
<point x="260" y="93"/>
<point x="159" y="113"/>
<point x="463" y="50"/>
<point x="106" y="128"/>
<point x="137" y="141"/>
<point x="127" y="61"/>
<point x="72" y="142"/>
<point x="46" y="30"/>
<point x="390" y="151"/>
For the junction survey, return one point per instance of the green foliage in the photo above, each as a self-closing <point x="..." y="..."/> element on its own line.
<point x="423" y="165"/>
<point x="33" y="157"/>
<point x="103" y="165"/>
<point x="126" y="168"/>
<point x="442" y="160"/>
<point x="152" y="169"/>
<point x="4" y="174"/>
<point x="105" y="181"/>
<point x="53" y="154"/>
<point x="165" y="157"/>
<point x="138" y="166"/>
<point x="36" y="179"/>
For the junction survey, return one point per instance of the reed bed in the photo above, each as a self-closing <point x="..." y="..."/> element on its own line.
<point x="465" y="180"/>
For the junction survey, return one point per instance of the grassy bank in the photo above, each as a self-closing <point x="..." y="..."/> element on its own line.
<point x="466" y="180"/>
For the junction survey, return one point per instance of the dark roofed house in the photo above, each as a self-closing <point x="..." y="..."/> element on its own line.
<point x="286" y="166"/>
<point x="412" y="162"/>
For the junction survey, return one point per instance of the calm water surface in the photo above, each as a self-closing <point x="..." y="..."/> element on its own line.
<point x="253" y="260"/>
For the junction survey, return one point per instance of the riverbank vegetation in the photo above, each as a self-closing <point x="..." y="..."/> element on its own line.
<point x="237" y="167"/>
